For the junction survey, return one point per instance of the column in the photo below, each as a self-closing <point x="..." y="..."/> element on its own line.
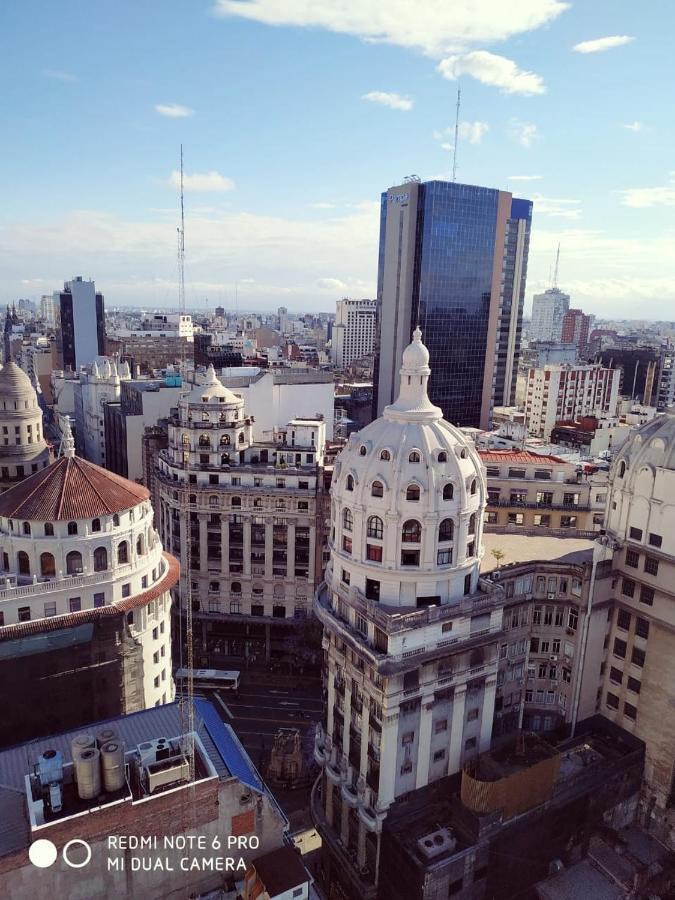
<point x="290" y="551"/>
<point x="347" y="711"/>
<point x="203" y="543"/>
<point x="247" y="545"/>
<point x="424" y="742"/>
<point x="311" y="564"/>
<point x="328" y="794"/>
<point x="429" y="541"/>
<point x="488" y="713"/>
<point x="330" y="702"/>
<point x="461" y="538"/>
<point x="392" y="524"/>
<point x="365" y="729"/>
<point x="388" y="753"/>
<point x="457" y="730"/>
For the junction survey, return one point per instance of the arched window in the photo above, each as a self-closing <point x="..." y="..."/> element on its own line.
<point x="362" y="450"/>
<point x="225" y="440"/>
<point x="462" y="453"/>
<point x="235" y="587"/>
<point x="49" y="529"/>
<point x="72" y="527"/>
<point x="213" y="500"/>
<point x="204" y="441"/>
<point x="74" y="563"/>
<point x="377" y="490"/>
<point x="140" y="545"/>
<point x="257" y="502"/>
<point x="100" y="559"/>
<point x="123" y="553"/>
<point x="442" y="456"/>
<point x="205" y="417"/>
<point x="412" y="492"/>
<point x="224" y="459"/>
<point x="385" y="454"/>
<point x="375" y="528"/>
<point x="26" y="527"/>
<point x="622" y="469"/>
<point x="472" y="523"/>
<point x="116" y="520"/>
<point x="241" y="437"/>
<point x="350" y="482"/>
<point x="236" y="501"/>
<point x="448" y="491"/>
<point x="414" y="456"/>
<point x="23" y="562"/>
<point x="446" y="530"/>
<point x="473" y="486"/>
<point x="47" y="565"/>
<point x="347" y="520"/>
<point x="411" y="532"/>
<point x="96" y="525"/>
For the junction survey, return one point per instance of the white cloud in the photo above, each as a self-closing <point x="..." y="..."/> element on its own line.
<point x="496" y="71"/>
<point x="524" y="132"/>
<point x="58" y="75"/>
<point x="558" y="207"/>
<point x="434" y="26"/>
<point x="643" y="198"/>
<point x="471" y="132"/>
<point x="392" y="100"/>
<point x="605" y="43"/>
<point x="174" y="110"/>
<point x="331" y="284"/>
<point x="634" y="126"/>
<point x="212" y="182"/>
<point x="525" y="177"/>
<point x="321" y="205"/>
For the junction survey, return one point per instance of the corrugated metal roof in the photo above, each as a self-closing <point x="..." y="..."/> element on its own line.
<point x="520" y="456"/>
<point x="71" y="488"/>
<point x="228" y="746"/>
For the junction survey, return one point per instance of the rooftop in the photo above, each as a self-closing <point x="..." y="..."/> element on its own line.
<point x="521" y="548"/>
<point x="524" y="457"/>
<point x="281" y="870"/>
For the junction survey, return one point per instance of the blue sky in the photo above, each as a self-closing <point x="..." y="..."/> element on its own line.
<point x="296" y="114"/>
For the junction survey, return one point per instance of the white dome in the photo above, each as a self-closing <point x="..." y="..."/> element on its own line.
<point x="212" y="390"/>
<point x="410" y="465"/>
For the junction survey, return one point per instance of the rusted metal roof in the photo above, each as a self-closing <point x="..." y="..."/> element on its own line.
<point x="518" y="456"/>
<point x="71" y="488"/>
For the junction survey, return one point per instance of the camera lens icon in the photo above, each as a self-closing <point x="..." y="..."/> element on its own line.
<point x="76" y="853"/>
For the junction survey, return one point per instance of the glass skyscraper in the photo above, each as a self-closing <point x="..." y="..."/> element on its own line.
<point x="453" y="259"/>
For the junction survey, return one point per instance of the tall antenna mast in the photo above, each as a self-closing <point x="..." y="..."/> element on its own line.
<point x="181" y="242"/>
<point x="454" y="150"/>
<point x="555" y="271"/>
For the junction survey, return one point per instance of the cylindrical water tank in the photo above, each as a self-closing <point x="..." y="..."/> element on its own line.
<point x="81" y="742"/>
<point x="104" y="735"/>
<point x="112" y="765"/>
<point x="88" y="773"/>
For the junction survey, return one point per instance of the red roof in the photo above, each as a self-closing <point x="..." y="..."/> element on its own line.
<point x="71" y="488"/>
<point x="517" y="456"/>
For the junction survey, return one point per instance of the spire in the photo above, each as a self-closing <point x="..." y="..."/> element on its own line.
<point x="67" y="440"/>
<point x="412" y="403"/>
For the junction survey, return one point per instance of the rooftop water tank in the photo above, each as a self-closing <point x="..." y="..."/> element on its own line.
<point x="88" y="773"/>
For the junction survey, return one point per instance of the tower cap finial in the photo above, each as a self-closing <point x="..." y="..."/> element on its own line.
<point x="67" y="440"/>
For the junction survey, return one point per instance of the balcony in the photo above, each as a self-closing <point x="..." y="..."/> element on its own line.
<point x="334" y="771"/>
<point x="350" y="795"/>
<point x="533" y="504"/>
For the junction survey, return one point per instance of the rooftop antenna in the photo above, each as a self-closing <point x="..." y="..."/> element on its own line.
<point x="454" y="149"/>
<point x="555" y="271"/>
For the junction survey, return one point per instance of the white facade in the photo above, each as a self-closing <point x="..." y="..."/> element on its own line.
<point x="98" y="384"/>
<point x="548" y="312"/>
<point x="565" y="393"/>
<point x="155" y="405"/>
<point x="353" y="331"/>
<point x="23" y="449"/>
<point x="49" y="310"/>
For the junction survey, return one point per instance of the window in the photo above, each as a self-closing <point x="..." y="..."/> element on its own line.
<point x="534" y="645"/>
<point x="573" y="618"/>
<point x="347" y="544"/>
<point x="630" y="711"/>
<point x="646" y="595"/>
<point x="446" y="530"/>
<point x="412" y="493"/>
<point x="623" y="620"/>
<point x="612" y="700"/>
<point x="49" y="529"/>
<point x="377" y="489"/>
<point x="410" y="557"/>
<point x="620" y="648"/>
<point x="473" y="714"/>
<point x="347" y="520"/>
<point x="628" y="587"/>
<point x="96" y="525"/>
<point x="99" y="600"/>
<point x="448" y="491"/>
<point x="126" y="589"/>
<point x="638" y="657"/>
<point x="75" y="604"/>
<point x="414" y="456"/>
<point x="632" y="559"/>
<point x="374" y="553"/>
<point x="372" y="592"/>
<point x="651" y="565"/>
<point x="635" y="534"/>
<point x="439" y="755"/>
<point x="655" y="540"/>
<point x="50" y="609"/>
<point x="411" y="532"/>
<point x="385" y="454"/>
<point x="375" y="528"/>
<point x="442" y="456"/>
<point x="72" y="527"/>
<point x="444" y="557"/>
<point x="516" y="519"/>
<point x="542" y="520"/>
<point x="406" y="768"/>
<point x="633" y="685"/>
<point x="350" y="482"/>
<point x="100" y="559"/>
<point x="472" y="489"/>
<point x="440" y="725"/>
<point x="74" y="563"/>
<point x="641" y="627"/>
<point x="24" y="613"/>
<point x="470" y="743"/>
<point x="615" y="675"/>
<point x="345" y="577"/>
<point x="123" y="553"/>
<point x="26" y="527"/>
<point x="47" y="565"/>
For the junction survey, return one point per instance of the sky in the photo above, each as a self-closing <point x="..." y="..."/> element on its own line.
<point x="296" y="114"/>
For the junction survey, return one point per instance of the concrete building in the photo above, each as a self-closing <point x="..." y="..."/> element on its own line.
<point x="38" y="359"/>
<point x="639" y="672"/>
<point x="665" y="388"/>
<point x="544" y="353"/>
<point x="98" y="383"/>
<point x="81" y="323"/>
<point x="49" y="310"/>
<point x="576" y="327"/>
<point x="23" y="449"/>
<point x="565" y="393"/>
<point x="194" y="798"/>
<point x="410" y="630"/>
<point x="279" y="875"/>
<point x="548" y="312"/>
<point x="85" y="608"/>
<point x="453" y="259"/>
<point x="353" y="331"/>
<point x="247" y="518"/>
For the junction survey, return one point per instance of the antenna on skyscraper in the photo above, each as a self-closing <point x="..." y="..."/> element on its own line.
<point x="454" y="149"/>
<point x="555" y="271"/>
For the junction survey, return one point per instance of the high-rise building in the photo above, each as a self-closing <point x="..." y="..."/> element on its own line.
<point x="82" y="318"/>
<point x="98" y="384"/>
<point x="665" y="389"/>
<point x="548" y="312"/>
<point x="23" y="450"/>
<point x="48" y="310"/>
<point x="453" y="259"/>
<point x="353" y="331"/>
<point x="576" y="327"/>
<point x="566" y="393"/>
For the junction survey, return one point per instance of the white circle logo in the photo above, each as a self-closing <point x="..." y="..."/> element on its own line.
<point x="74" y="843"/>
<point x="42" y="853"/>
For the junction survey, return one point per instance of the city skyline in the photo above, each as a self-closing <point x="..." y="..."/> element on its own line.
<point x="552" y="110"/>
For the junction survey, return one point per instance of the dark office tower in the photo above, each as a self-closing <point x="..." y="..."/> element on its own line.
<point x="453" y="259"/>
<point x="82" y="332"/>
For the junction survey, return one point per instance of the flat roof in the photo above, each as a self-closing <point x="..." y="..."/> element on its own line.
<point x="520" y="548"/>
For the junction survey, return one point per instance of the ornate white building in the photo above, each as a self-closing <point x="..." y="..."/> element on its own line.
<point x="410" y="629"/>
<point x="78" y="551"/>
<point x="99" y="383"/>
<point x="23" y="450"/>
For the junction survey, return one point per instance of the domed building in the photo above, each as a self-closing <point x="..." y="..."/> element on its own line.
<point x="23" y="450"/>
<point x="84" y="599"/>
<point x="639" y="684"/>
<point x="410" y="629"/>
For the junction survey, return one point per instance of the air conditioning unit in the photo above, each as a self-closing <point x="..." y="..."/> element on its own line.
<point x="553" y="658"/>
<point x="154" y="751"/>
<point x="436" y="842"/>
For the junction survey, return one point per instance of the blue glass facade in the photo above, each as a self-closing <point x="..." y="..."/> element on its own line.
<point x="463" y="233"/>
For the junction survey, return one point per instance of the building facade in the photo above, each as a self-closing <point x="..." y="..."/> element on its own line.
<point x="576" y="327"/>
<point x="566" y="393"/>
<point x="548" y="312"/>
<point x="353" y="331"/>
<point x="98" y="384"/>
<point x="665" y="389"/>
<point x="82" y="323"/>
<point x="453" y="259"/>
<point x="23" y="449"/>
<point x="246" y="518"/>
